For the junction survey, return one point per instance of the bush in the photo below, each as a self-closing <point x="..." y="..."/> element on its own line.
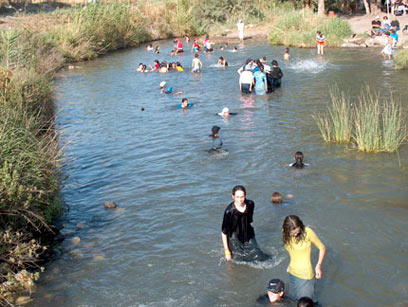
<point x="298" y="28"/>
<point x="373" y="123"/>
<point x="401" y="59"/>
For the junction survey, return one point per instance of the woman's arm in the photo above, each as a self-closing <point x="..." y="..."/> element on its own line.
<point x="227" y="251"/>
<point x="318" y="268"/>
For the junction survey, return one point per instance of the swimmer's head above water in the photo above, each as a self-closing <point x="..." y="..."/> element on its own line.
<point x="238" y="195"/>
<point x="225" y="113"/>
<point x="298" y="160"/>
<point x="214" y="131"/>
<point x="276" y="198"/>
<point x="276" y="290"/>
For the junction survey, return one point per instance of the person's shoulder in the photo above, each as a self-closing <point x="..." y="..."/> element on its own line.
<point x="229" y="208"/>
<point x="309" y="231"/>
<point x="249" y="203"/>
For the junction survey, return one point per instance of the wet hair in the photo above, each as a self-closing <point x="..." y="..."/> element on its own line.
<point x="286" y="49"/>
<point x="298" y="160"/>
<point x="140" y="64"/>
<point x="184" y="99"/>
<point x="290" y="223"/>
<point x="264" y="58"/>
<point x="214" y="131"/>
<point x="178" y="64"/>
<point x="221" y="58"/>
<point x="274" y="62"/>
<point x="238" y="188"/>
<point x="276" y="198"/>
<point x="196" y="55"/>
<point x="305" y="302"/>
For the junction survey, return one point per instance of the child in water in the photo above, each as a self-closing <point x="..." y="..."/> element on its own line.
<point x="277" y="197"/>
<point x="184" y="104"/>
<point x="320" y="42"/>
<point x="298" y="160"/>
<point x="217" y="142"/>
<point x="222" y="62"/>
<point x="286" y="55"/>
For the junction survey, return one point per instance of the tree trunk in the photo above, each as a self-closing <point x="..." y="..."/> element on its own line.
<point x="367" y="7"/>
<point x="320" y="8"/>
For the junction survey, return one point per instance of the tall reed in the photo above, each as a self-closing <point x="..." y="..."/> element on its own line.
<point x="375" y="124"/>
<point x="336" y="125"/>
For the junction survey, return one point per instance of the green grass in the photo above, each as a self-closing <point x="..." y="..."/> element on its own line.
<point x="298" y="28"/>
<point x="375" y="124"/>
<point x="336" y="125"/>
<point x="401" y="59"/>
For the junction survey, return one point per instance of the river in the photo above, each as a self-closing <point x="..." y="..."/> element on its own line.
<point x="162" y="246"/>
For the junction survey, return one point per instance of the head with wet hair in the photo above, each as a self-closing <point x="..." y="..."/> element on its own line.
<point x="292" y="228"/>
<point x="305" y="302"/>
<point x="214" y="131"/>
<point x="276" y="198"/>
<point x="298" y="160"/>
<point x="238" y="188"/>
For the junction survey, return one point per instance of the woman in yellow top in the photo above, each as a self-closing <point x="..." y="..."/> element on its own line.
<point x="298" y="241"/>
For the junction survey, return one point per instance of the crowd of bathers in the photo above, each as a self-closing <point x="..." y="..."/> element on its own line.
<point x="238" y="235"/>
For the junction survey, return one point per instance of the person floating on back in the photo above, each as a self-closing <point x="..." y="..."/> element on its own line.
<point x="238" y="235"/>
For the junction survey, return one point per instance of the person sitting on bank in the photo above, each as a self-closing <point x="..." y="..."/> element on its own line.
<point x="275" y="293"/>
<point x="238" y="235"/>
<point x="395" y="25"/>
<point x="376" y="26"/>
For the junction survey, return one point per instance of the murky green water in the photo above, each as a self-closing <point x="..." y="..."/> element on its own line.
<point x="162" y="247"/>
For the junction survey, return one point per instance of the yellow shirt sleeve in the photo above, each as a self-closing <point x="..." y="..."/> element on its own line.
<point x="314" y="238"/>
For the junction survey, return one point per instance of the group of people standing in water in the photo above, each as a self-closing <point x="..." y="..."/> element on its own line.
<point x="237" y="232"/>
<point x="239" y="242"/>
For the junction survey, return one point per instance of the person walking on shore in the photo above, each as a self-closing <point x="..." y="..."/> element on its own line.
<point x="240" y="26"/>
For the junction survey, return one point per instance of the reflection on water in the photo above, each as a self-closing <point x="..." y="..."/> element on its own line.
<point x="162" y="247"/>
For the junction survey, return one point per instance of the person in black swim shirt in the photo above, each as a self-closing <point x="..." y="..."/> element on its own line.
<point x="276" y="73"/>
<point x="298" y="160"/>
<point x="238" y="235"/>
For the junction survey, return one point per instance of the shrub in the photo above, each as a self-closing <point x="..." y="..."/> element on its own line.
<point x="298" y="28"/>
<point x="375" y="124"/>
<point x="401" y="59"/>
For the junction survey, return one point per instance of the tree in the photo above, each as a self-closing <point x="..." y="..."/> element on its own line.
<point x="321" y="9"/>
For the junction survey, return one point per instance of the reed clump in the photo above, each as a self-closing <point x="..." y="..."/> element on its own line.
<point x="337" y="124"/>
<point x="373" y="123"/>
<point x="401" y="60"/>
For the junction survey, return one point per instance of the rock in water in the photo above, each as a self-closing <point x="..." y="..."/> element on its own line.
<point x="110" y="205"/>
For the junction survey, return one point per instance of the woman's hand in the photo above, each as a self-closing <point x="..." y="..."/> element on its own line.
<point x="318" y="270"/>
<point x="227" y="255"/>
